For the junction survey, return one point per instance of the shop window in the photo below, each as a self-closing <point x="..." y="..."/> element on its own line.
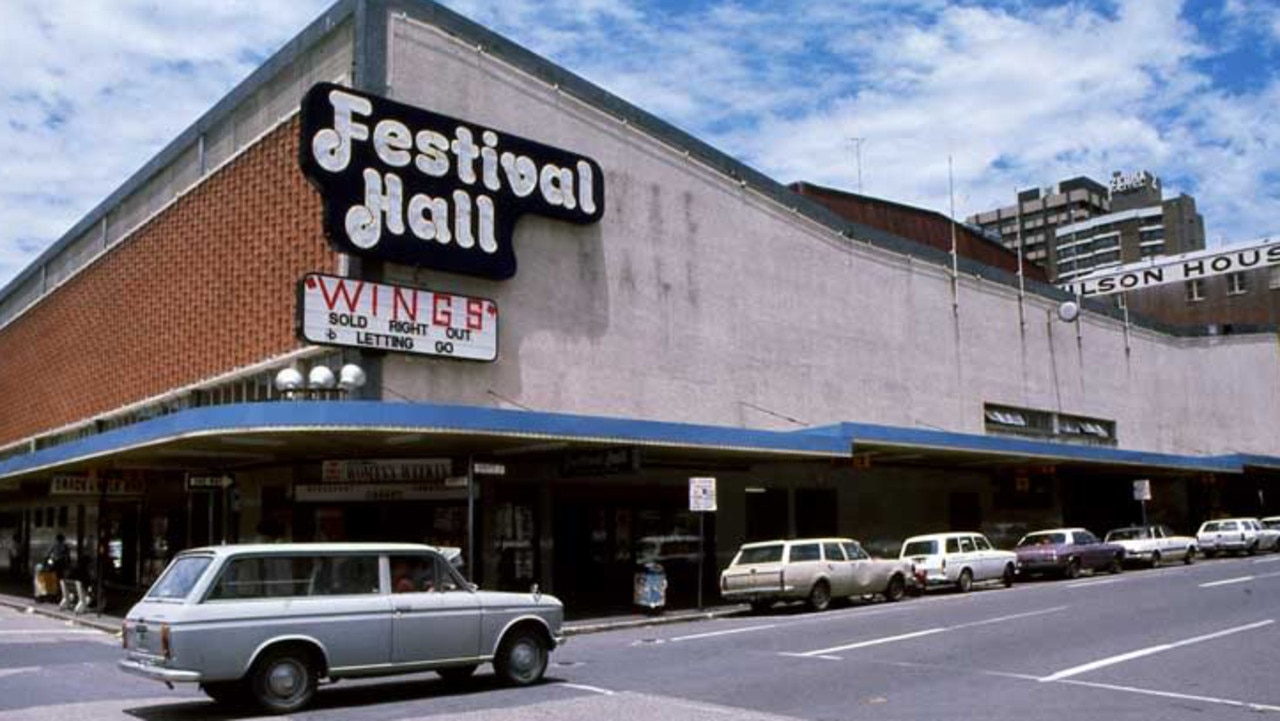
<point x="1237" y="284"/>
<point x="62" y="517"/>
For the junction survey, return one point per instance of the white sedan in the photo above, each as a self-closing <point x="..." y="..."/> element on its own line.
<point x="1153" y="545"/>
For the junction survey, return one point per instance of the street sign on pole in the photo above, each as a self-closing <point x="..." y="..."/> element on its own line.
<point x="702" y="495"/>
<point x="1142" y="490"/>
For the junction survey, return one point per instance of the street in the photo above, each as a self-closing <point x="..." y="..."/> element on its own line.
<point x="1180" y="642"/>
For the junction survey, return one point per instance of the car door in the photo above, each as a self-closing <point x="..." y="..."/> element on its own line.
<point x="992" y="567"/>
<point x="839" y="569"/>
<point x="1090" y="551"/>
<point x="435" y="615"/>
<point x="967" y="556"/>
<point x="866" y="577"/>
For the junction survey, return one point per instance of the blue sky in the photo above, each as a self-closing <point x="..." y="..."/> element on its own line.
<point x="1020" y="93"/>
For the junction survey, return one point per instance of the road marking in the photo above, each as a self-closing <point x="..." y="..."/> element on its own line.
<point x="1273" y="559"/>
<point x="1101" y="582"/>
<point x="1240" y="579"/>
<point x="725" y="632"/>
<point x="1121" y="658"/>
<point x="826" y="652"/>
<point x="805" y="655"/>
<point x="52" y="632"/>
<point x="584" y="687"/>
<point x="1171" y="694"/>
<point x="13" y="671"/>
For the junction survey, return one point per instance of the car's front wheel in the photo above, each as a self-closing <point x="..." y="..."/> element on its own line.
<point x="283" y="680"/>
<point x="896" y="590"/>
<point x="1155" y="559"/>
<point x="1190" y="558"/>
<point x="522" y="658"/>
<point x="965" y="583"/>
<point x="1117" y="564"/>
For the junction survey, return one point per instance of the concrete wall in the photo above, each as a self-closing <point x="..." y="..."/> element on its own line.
<point x="696" y="299"/>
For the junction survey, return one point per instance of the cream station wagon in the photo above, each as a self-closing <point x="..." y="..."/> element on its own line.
<point x="269" y="622"/>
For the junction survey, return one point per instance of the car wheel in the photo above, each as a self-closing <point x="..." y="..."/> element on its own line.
<point x="820" y="596"/>
<point x="1073" y="568"/>
<point x="965" y="583"/>
<point x="455" y="674"/>
<point x="896" y="590"/>
<point x="1155" y="559"/>
<point x="1009" y="574"/>
<point x="522" y="658"/>
<point x="227" y="693"/>
<point x="1190" y="558"/>
<point x="1117" y="564"/>
<point x="283" y="680"/>
<point x="761" y="606"/>
<point x="1253" y="549"/>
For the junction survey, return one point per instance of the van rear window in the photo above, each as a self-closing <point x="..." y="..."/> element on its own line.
<point x="180" y="577"/>
<point x="760" y="554"/>
<point x="920" y="548"/>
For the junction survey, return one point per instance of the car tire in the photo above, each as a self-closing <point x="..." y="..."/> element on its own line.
<point x="226" y="693"/>
<point x="1155" y="559"/>
<point x="896" y="589"/>
<point x="1253" y="549"/>
<point x="964" y="584"/>
<point x="283" y="680"/>
<point x="1073" y="569"/>
<point x="522" y="658"/>
<point x="1009" y="574"/>
<point x="820" y="596"/>
<point x="1117" y="564"/>
<point x="457" y="674"/>
<point x="761" y="606"/>
<point x="1190" y="558"/>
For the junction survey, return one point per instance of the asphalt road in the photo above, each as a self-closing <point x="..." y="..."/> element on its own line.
<point x="1182" y="642"/>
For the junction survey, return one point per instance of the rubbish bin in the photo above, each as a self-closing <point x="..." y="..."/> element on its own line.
<point x="46" y="583"/>
<point x="651" y="587"/>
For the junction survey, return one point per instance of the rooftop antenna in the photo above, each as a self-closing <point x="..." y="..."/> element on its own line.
<point x="857" y="153"/>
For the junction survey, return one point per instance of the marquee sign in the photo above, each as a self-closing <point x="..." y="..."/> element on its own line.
<point x="359" y="314"/>
<point x="406" y="185"/>
<point x="1176" y="269"/>
<point x="422" y="471"/>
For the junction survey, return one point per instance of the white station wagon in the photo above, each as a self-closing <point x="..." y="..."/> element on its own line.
<point x="958" y="560"/>
<point x="268" y="622"/>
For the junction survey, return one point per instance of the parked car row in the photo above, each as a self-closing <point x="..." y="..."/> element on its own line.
<point x="817" y="570"/>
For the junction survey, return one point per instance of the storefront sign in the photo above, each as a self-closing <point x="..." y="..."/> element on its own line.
<point x="410" y="186"/>
<point x="326" y="492"/>
<point x="360" y="314"/>
<point x="208" y="482"/>
<point x="432" y="471"/>
<point x="489" y="469"/>
<point x="84" y="486"/>
<point x="603" y="461"/>
<point x="1176" y="269"/>
<point x="702" y="495"/>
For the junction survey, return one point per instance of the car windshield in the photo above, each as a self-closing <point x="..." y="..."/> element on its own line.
<point x="1127" y="534"/>
<point x="920" y="548"/>
<point x="180" y="577"/>
<point x="760" y="554"/>
<point x="1042" y="539"/>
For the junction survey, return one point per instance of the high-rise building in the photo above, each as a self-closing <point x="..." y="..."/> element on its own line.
<point x="1079" y="225"/>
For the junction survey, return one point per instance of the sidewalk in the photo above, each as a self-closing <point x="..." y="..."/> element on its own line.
<point x="111" y="624"/>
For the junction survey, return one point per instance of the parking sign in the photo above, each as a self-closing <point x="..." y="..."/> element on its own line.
<point x="702" y="495"/>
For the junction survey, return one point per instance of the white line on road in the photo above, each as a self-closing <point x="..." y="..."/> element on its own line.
<point x="1183" y="696"/>
<point x="1240" y="579"/>
<point x="1086" y="584"/>
<point x="52" y="632"/>
<point x="12" y="671"/>
<point x="1273" y="559"/>
<point x="725" y="632"/>
<point x="1112" y="660"/>
<point x="825" y="652"/>
<point x="584" y="687"/>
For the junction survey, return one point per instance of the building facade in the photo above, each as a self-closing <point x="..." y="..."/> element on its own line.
<point x="1080" y="226"/>
<point x="563" y="309"/>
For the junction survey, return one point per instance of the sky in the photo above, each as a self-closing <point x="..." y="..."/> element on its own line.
<point x="870" y="95"/>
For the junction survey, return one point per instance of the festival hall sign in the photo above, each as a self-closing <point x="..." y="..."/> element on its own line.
<point x="410" y="186"/>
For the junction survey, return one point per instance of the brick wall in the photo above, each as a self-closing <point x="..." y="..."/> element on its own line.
<point x="205" y="287"/>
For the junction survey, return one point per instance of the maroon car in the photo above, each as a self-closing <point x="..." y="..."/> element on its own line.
<point x="1066" y="552"/>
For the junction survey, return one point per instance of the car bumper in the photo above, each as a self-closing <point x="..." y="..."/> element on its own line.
<point x="1045" y="566"/>
<point x="154" y="672"/>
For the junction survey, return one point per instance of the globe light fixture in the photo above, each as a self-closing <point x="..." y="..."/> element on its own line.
<point x="288" y="380"/>
<point x="321" y="378"/>
<point x="351" y="377"/>
<point x="1068" y="311"/>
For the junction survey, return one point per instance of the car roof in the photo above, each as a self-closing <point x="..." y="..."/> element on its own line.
<point x="824" y="539"/>
<point x="1058" y="530"/>
<point x="942" y="536"/>
<point x="320" y="548"/>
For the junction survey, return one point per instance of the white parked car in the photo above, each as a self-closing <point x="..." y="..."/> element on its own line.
<point x="959" y="560"/>
<point x="1153" y="545"/>
<point x="1227" y="534"/>
<point x="814" y="570"/>
<point x="268" y="622"/>
<point x="1268" y="534"/>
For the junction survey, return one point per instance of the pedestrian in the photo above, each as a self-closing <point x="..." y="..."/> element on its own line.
<point x="59" y="559"/>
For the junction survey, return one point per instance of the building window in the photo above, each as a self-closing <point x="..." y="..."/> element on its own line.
<point x="1237" y="284"/>
<point x="1274" y="283"/>
<point x="1195" y="291"/>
